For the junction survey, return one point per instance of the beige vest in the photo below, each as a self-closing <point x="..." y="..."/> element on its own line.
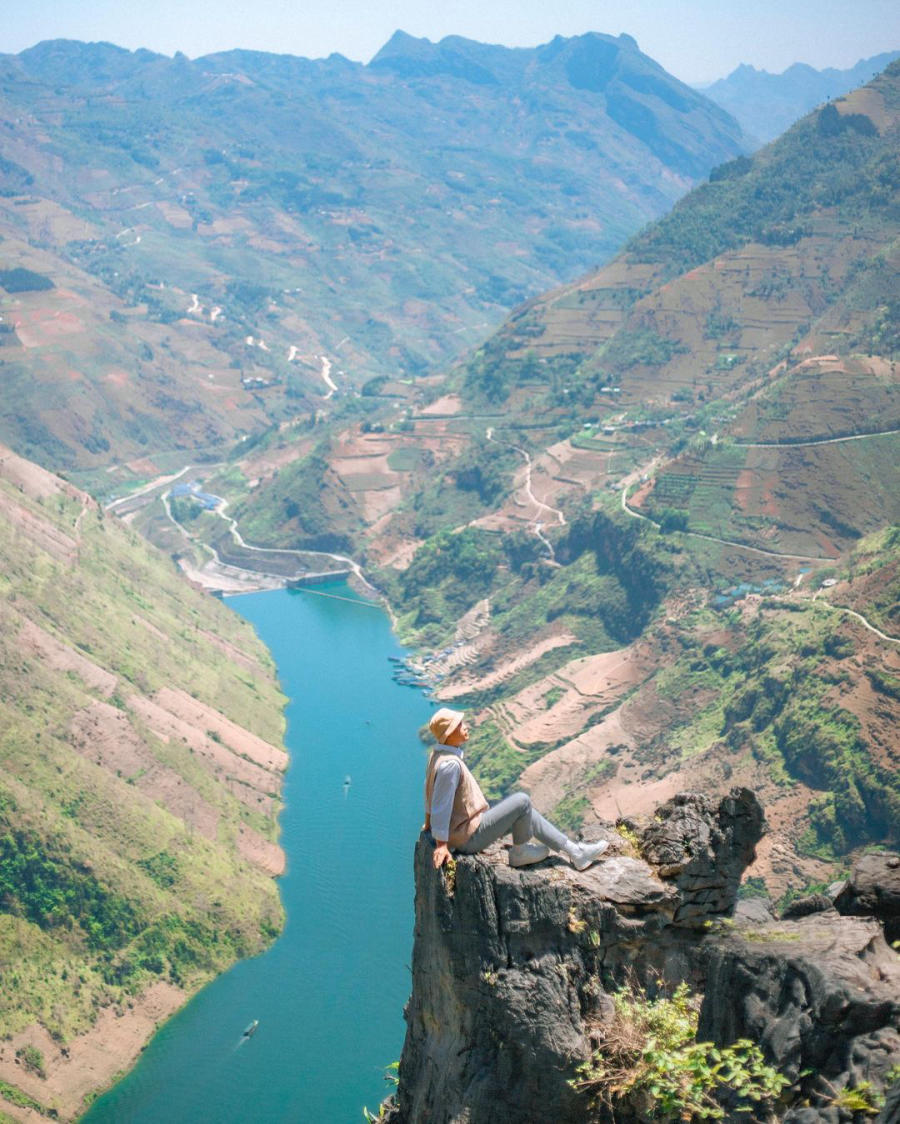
<point x="469" y="803"/>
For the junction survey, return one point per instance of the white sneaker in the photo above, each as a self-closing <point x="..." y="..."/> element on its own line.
<point x="524" y="854"/>
<point x="581" y="855"/>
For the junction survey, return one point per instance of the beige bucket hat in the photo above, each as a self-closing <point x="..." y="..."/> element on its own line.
<point x="444" y="722"/>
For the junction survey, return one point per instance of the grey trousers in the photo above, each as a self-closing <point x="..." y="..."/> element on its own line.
<point x="513" y="814"/>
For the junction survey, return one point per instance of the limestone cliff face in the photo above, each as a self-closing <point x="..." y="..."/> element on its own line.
<point x="511" y="968"/>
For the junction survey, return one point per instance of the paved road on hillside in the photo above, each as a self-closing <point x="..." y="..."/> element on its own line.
<point x="759" y="550"/>
<point x="238" y="538"/>
<point x="813" y="441"/>
<point x="853" y="613"/>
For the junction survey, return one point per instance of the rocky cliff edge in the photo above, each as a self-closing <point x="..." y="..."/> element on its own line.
<point x="514" y="969"/>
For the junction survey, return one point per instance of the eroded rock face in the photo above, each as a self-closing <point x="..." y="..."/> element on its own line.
<point x="704" y="846"/>
<point x="512" y="967"/>
<point x="873" y="890"/>
<point x="821" y="995"/>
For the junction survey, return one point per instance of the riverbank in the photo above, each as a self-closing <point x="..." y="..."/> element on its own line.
<point x="217" y="577"/>
<point x="90" y="1062"/>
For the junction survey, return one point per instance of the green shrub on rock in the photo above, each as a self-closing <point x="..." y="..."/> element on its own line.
<point x="648" y="1060"/>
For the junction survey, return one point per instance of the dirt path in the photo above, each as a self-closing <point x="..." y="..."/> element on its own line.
<point x="537" y="526"/>
<point x="142" y="491"/>
<point x="226" y="577"/>
<point x="218" y="576"/>
<point x="724" y="542"/>
<point x="351" y="563"/>
<point x="862" y="620"/>
<point x="326" y="375"/>
<point x="86" y="506"/>
<point x="220" y="510"/>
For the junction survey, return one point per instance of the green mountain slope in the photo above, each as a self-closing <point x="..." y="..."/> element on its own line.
<point x="141" y="777"/>
<point x="655" y="492"/>
<point x="219" y="241"/>
<point x="760" y="313"/>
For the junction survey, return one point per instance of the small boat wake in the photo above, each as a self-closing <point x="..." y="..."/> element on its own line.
<point x="248" y="1033"/>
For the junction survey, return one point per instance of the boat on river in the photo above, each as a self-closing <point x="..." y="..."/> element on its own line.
<point x="251" y="1029"/>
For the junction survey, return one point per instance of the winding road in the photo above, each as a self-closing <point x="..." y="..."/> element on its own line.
<point x="536" y="526"/>
<point x="858" y="616"/>
<point x="350" y="563"/>
<point x="162" y="481"/>
<point x="723" y="542"/>
<point x="814" y="441"/>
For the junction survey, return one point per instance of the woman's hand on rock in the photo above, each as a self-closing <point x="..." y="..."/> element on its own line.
<point x="441" y="854"/>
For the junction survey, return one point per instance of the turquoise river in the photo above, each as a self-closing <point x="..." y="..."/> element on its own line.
<point x="329" y="993"/>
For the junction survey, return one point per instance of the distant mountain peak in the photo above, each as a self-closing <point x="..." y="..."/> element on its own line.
<point x="766" y="104"/>
<point x="402" y="43"/>
<point x="454" y="56"/>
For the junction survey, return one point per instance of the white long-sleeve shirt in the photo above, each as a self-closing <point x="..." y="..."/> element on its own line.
<point x="446" y="780"/>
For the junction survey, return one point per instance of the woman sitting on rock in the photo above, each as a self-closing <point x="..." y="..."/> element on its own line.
<point x="458" y="816"/>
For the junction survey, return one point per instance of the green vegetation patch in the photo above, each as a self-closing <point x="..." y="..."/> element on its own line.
<point x="409" y="459"/>
<point x="495" y="762"/>
<point x="39" y="882"/>
<point x="640" y="347"/>
<point x="15" y="1096"/>
<point x="765" y="197"/>
<point x="449" y="573"/>
<point x="20" y="280"/>
<point x="569" y="813"/>
<point x="770" y="697"/>
<point x="298" y="507"/>
<point x="649" y="1050"/>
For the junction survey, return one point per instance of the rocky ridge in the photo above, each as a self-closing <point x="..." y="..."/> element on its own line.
<point x="513" y="968"/>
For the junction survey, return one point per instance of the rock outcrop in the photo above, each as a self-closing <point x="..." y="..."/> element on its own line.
<point x="821" y="996"/>
<point x="512" y="969"/>
<point x="873" y="890"/>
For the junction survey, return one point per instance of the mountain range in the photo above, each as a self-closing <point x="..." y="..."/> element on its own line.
<point x="240" y="233"/>
<point x="766" y="104"/>
<point x="648" y="524"/>
<point x="646" y="531"/>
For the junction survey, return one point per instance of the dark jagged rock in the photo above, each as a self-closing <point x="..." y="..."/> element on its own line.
<point x="891" y="1111"/>
<point x="513" y="968"/>
<point x="803" y="907"/>
<point x="507" y="968"/>
<point x="822" y="998"/>
<point x="704" y="847"/>
<point x="873" y="890"/>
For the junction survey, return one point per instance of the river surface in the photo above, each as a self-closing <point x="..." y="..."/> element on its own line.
<point x="329" y="993"/>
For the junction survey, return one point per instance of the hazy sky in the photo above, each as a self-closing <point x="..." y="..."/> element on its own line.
<point x="697" y="40"/>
